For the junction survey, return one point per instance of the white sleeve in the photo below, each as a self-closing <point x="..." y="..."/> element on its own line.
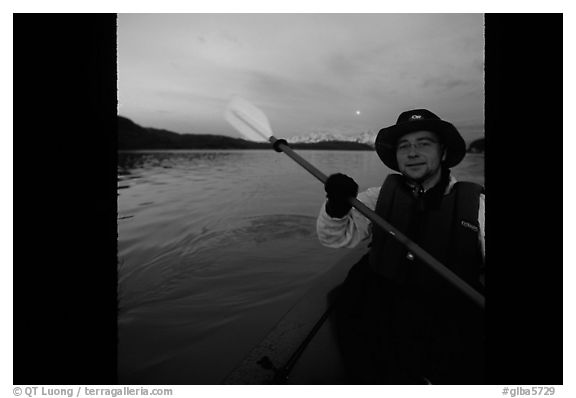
<point x="349" y="230"/>
<point x="481" y="211"/>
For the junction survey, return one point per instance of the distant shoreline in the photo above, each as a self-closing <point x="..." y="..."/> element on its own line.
<point x="133" y="137"/>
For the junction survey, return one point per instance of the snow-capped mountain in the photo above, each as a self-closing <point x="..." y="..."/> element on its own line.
<point x="366" y="137"/>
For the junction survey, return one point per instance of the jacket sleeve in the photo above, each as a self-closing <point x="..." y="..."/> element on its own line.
<point x="349" y="230"/>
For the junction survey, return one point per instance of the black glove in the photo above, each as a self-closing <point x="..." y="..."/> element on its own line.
<point x="339" y="188"/>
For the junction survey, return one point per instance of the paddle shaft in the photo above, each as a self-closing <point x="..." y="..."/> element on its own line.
<point x="411" y="246"/>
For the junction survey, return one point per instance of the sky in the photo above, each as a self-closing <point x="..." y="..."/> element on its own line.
<point x="309" y="73"/>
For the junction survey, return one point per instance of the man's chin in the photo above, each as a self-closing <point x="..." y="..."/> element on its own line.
<point x="416" y="177"/>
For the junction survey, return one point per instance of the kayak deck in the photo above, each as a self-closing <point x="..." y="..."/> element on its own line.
<point x="321" y="362"/>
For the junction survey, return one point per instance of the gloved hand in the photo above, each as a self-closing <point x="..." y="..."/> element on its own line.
<point x="339" y="188"/>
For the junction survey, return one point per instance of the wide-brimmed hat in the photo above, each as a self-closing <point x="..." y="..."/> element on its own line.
<point x="417" y="120"/>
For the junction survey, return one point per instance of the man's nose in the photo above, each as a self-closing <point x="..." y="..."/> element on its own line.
<point x="412" y="152"/>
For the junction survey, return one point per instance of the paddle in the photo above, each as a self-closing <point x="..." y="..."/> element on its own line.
<point x="253" y="124"/>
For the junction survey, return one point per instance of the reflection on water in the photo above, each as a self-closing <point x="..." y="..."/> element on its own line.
<point x="213" y="247"/>
<point x="128" y="162"/>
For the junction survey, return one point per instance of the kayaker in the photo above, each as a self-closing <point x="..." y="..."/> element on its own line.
<point x="398" y="322"/>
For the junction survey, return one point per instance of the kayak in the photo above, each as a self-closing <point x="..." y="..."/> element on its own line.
<point x="303" y="341"/>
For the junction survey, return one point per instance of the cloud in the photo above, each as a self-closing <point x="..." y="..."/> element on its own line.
<point x="187" y="96"/>
<point x="229" y="37"/>
<point x="306" y="70"/>
<point x="342" y="65"/>
<point x="444" y="83"/>
<point x="271" y="86"/>
<point x="478" y="65"/>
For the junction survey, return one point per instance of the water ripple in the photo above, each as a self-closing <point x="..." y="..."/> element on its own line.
<point x="209" y="240"/>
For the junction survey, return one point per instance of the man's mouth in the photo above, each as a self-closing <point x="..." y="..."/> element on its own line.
<point x="415" y="164"/>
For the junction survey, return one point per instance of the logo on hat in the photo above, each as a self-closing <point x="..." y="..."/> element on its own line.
<point x="415" y="117"/>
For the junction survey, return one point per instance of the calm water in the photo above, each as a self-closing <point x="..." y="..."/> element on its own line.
<point x="214" y="247"/>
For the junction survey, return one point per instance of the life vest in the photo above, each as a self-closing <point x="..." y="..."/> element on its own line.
<point x="448" y="230"/>
<point x="428" y="325"/>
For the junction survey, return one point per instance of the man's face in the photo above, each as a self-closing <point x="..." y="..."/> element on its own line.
<point x="419" y="155"/>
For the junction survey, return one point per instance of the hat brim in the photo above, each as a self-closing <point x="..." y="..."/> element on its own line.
<point x="388" y="137"/>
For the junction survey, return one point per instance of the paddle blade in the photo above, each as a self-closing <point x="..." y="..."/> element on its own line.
<point x="249" y="120"/>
